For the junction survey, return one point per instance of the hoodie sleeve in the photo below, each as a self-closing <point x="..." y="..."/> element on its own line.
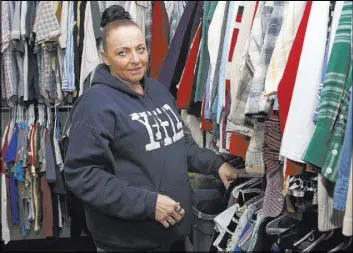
<point x="201" y="160"/>
<point x="89" y="160"/>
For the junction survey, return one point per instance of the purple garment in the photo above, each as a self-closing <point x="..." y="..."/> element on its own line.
<point x="10" y="154"/>
<point x="13" y="201"/>
<point x="171" y="60"/>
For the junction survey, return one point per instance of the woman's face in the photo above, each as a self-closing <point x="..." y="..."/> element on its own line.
<point x="126" y="53"/>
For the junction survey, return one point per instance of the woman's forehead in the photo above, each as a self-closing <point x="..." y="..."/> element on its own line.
<point x="125" y="37"/>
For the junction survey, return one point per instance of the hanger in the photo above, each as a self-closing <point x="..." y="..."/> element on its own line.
<point x="348" y="244"/>
<point x="311" y="233"/>
<point x="252" y="182"/>
<point x="273" y="229"/>
<point x="323" y="237"/>
<point x="338" y="248"/>
<point x="314" y="244"/>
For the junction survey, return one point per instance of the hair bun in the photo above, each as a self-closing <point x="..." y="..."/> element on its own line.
<point x="112" y="13"/>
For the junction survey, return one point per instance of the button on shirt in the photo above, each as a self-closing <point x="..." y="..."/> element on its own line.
<point x="341" y="186"/>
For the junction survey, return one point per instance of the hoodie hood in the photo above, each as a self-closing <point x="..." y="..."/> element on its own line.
<point x="102" y="75"/>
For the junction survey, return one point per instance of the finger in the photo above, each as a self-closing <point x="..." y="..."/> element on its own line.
<point x="176" y="216"/>
<point x="165" y="223"/>
<point x="181" y="212"/>
<point x="171" y="221"/>
<point x="225" y="182"/>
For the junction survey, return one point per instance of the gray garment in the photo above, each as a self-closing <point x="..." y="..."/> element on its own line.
<point x="96" y="19"/>
<point x="219" y="58"/>
<point x="328" y="218"/>
<point x="256" y="103"/>
<point x="16" y="21"/>
<point x="30" y="18"/>
<point x="50" y="160"/>
<point x="238" y="122"/>
<point x="175" y="10"/>
<point x="18" y="48"/>
<point x="13" y="99"/>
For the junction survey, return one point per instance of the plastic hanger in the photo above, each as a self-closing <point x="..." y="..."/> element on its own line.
<point x="272" y="227"/>
<point x="348" y="244"/>
<point x="250" y="183"/>
<point x="314" y="244"/>
<point x="311" y="233"/>
<point x="338" y="248"/>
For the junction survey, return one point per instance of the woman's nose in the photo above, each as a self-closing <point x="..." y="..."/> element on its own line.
<point x="135" y="58"/>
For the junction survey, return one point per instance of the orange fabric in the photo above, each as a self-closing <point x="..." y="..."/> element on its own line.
<point x="238" y="145"/>
<point x="187" y="78"/>
<point x="159" y="42"/>
<point x="294" y="168"/>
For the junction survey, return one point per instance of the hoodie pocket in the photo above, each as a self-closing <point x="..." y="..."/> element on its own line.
<point x="171" y="177"/>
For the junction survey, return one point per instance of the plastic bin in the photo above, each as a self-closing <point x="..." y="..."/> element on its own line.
<point x="207" y="204"/>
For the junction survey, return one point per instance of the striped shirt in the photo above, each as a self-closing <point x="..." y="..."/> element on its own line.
<point x="326" y="144"/>
<point x="68" y="79"/>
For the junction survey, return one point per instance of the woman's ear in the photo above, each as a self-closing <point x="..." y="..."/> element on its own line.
<point x="105" y="58"/>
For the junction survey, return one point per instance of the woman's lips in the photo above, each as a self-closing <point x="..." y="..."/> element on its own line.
<point x="135" y="70"/>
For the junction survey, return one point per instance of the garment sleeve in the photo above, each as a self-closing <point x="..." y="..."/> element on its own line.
<point x="201" y="160"/>
<point x="89" y="166"/>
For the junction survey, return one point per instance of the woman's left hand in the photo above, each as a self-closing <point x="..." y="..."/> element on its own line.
<point x="228" y="173"/>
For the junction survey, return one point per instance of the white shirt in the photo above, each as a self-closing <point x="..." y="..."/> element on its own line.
<point x="300" y="126"/>
<point x="90" y="56"/>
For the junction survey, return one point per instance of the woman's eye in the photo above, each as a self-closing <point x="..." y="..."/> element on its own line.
<point x="122" y="53"/>
<point x="141" y="49"/>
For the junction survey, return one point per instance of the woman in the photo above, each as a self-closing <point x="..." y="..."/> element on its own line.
<point x="129" y="152"/>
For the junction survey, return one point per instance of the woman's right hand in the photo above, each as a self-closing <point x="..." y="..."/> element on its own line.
<point x="168" y="212"/>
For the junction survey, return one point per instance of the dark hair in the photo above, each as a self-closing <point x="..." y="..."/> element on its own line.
<point x="114" y="17"/>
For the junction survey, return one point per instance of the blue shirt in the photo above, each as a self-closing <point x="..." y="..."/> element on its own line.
<point x="68" y="82"/>
<point x="344" y="164"/>
<point x="222" y="69"/>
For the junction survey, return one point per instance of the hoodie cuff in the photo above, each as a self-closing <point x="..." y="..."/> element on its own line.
<point x="150" y="204"/>
<point x="217" y="163"/>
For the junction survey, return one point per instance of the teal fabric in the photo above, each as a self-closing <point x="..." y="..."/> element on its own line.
<point x="208" y="12"/>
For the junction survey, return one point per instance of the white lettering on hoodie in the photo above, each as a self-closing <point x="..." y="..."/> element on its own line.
<point x="158" y="124"/>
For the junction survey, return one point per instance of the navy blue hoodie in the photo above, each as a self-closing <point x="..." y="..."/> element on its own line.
<point x="124" y="149"/>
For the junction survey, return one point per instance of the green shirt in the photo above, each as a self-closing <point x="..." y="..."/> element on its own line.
<point x="325" y="146"/>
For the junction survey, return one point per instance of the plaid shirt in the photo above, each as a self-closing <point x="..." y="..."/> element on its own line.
<point x="46" y="25"/>
<point x="7" y="75"/>
<point x="326" y="144"/>
<point x="148" y="26"/>
<point x="256" y="103"/>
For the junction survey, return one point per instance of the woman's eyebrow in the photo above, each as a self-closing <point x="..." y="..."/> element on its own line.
<point x="119" y="48"/>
